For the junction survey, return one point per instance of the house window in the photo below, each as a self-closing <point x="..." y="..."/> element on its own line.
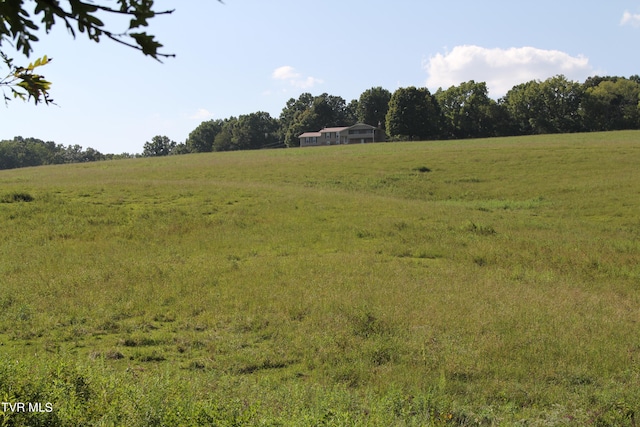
<point x="360" y="131"/>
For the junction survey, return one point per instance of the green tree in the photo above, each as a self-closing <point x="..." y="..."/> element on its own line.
<point x="352" y="112"/>
<point x="224" y="139"/>
<point x="560" y="102"/>
<point x="552" y="106"/>
<point x="413" y="114"/>
<point x="76" y="154"/>
<point x="521" y="103"/>
<point x="373" y="106"/>
<point x="255" y="130"/>
<point x="290" y="117"/>
<point x="19" y="26"/>
<point x="21" y="152"/>
<point x="159" y="146"/>
<point x="499" y="116"/>
<point x="201" y="139"/>
<point x="467" y="110"/>
<point x="330" y="110"/>
<point x="180" y="148"/>
<point x="611" y="104"/>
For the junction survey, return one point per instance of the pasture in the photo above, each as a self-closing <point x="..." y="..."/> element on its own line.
<point x="478" y="282"/>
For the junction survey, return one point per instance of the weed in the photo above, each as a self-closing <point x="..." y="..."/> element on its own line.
<point x="383" y="353"/>
<point x="153" y="356"/>
<point x="364" y="234"/>
<point x="138" y="342"/>
<point x="16" y="197"/>
<point x="196" y="365"/>
<point x="401" y="225"/>
<point x="6" y="301"/>
<point x="266" y="364"/>
<point x="480" y="261"/>
<point x="480" y="229"/>
<point x="422" y="169"/>
<point x="427" y="254"/>
<point x="24" y="313"/>
<point x="366" y="324"/>
<point x="113" y="355"/>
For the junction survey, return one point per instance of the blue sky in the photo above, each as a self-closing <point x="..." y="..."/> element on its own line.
<point x="245" y="56"/>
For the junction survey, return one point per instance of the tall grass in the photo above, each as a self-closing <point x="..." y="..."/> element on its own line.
<point x="485" y="282"/>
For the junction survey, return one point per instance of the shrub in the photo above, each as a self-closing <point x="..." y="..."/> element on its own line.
<point x="483" y="230"/>
<point x="16" y="197"/>
<point x="422" y="169"/>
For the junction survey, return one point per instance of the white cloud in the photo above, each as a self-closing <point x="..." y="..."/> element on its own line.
<point x="629" y="18"/>
<point x="289" y="74"/>
<point x="502" y="69"/>
<point x="285" y="72"/>
<point x="201" y="114"/>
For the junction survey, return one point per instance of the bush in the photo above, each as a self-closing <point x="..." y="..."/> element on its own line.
<point x="16" y="197"/>
<point x="422" y="169"/>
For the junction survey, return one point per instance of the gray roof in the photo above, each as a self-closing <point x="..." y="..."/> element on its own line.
<point x="336" y="129"/>
<point x="333" y="129"/>
<point x="309" y="134"/>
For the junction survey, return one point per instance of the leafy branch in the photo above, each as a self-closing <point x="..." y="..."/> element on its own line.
<point x="18" y="28"/>
<point x="24" y="83"/>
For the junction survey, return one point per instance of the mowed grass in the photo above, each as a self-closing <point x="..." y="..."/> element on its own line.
<point x="481" y="282"/>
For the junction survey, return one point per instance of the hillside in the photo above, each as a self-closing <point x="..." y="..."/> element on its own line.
<point x="477" y="282"/>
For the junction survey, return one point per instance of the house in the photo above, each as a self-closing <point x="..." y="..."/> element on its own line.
<point x="359" y="133"/>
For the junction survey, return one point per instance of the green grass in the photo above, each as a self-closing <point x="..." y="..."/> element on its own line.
<point x="482" y="282"/>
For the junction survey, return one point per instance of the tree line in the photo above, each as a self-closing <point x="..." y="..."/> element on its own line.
<point x="21" y="152"/>
<point x="555" y="105"/>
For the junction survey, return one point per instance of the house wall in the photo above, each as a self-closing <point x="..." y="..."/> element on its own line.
<point x="333" y="137"/>
<point x="364" y="133"/>
<point x="356" y="134"/>
<point x="310" y="140"/>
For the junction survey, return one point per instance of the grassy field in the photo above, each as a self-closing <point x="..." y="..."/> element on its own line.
<point x="480" y="282"/>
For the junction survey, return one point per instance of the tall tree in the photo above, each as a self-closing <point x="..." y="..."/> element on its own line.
<point x="552" y="106"/>
<point x="247" y="132"/>
<point x="290" y="116"/>
<point x="612" y="104"/>
<point x="159" y="146"/>
<point x="255" y="130"/>
<point x="22" y="152"/>
<point x="373" y="106"/>
<point x="352" y="112"/>
<point x="560" y="101"/>
<point x="224" y="139"/>
<point x="330" y="110"/>
<point x="20" y="26"/>
<point x="413" y="114"/>
<point x="521" y="103"/>
<point x="467" y="110"/>
<point x="201" y="139"/>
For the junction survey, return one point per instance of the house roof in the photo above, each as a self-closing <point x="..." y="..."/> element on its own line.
<point x="333" y="129"/>
<point x="309" y="134"/>
<point x="336" y="129"/>
<point x="363" y="124"/>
